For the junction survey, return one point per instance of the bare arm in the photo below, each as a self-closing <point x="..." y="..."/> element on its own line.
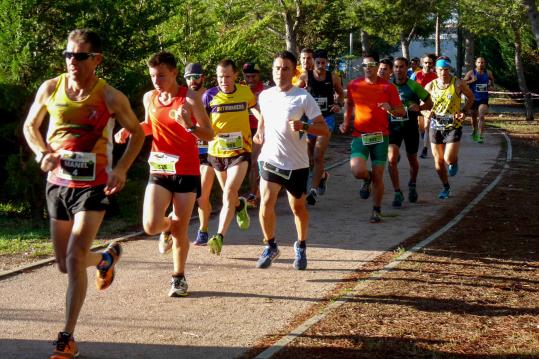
<point x="469" y="78"/>
<point x="317" y="127"/>
<point x="118" y="104"/>
<point x="349" y="111"/>
<point x="427" y="104"/>
<point x="302" y="81"/>
<point x="203" y="130"/>
<point x="258" y="138"/>
<point x="464" y="89"/>
<point x="337" y="86"/>
<point x="491" y="80"/>
<point x="123" y="134"/>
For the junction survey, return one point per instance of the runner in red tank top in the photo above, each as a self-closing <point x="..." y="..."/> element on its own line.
<point x="174" y="165"/>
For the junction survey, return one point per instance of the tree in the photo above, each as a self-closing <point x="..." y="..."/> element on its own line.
<point x="531" y="8"/>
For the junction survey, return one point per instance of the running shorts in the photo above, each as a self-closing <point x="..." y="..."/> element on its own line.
<point x="441" y="137"/>
<point x="223" y="163"/>
<point x="377" y="152"/>
<point x="64" y="202"/>
<point x="177" y="183"/>
<point x="296" y="185"/>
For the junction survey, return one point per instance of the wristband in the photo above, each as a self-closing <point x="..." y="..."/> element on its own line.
<point x="40" y="156"/>
<point x="305" y="127"/>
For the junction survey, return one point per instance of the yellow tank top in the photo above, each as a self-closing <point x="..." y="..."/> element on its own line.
<point x="446" y="101"/>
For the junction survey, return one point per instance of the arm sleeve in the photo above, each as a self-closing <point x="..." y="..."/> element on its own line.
<point x="419" y="91"/>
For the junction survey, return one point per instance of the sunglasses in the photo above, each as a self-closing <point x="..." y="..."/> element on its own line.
<point x="192" y="77"/>
<point x="79" y="56"/>
<point x="369" y="64"/>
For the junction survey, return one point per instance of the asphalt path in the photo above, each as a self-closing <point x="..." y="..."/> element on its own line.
<point x="232" y="305"/>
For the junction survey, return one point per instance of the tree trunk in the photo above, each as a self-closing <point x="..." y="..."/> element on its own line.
<point x="528" y="103"/>
<point x="405" y="46"/>
<point x="365" y="43"/>
<point x="460" y="50"/>
<point x="469" y="50"/>
<point x="532" y="16"/>
<point x="437" y="45"/>
<point x="290" y="35"/>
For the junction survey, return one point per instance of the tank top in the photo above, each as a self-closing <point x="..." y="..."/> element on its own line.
<point x="446" y="101"/>
<point x="81" y="132"/>
<point x="322" y="91"/>
<point x="480" y="87"/>
<point x="174" y="150"/>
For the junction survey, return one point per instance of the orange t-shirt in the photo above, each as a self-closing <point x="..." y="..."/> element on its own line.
<point x="366" y="97"/>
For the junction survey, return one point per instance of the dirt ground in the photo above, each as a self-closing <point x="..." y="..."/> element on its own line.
<point x="472" y="293"/>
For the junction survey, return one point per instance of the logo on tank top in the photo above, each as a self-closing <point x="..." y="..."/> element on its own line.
<point x="232" y="107"/>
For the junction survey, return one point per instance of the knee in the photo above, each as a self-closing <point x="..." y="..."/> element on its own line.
<point x="75" y="262"/>
<point x="150" y="227"/>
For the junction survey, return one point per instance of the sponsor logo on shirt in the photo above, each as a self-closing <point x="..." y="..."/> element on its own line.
<point x="231" y="107"/>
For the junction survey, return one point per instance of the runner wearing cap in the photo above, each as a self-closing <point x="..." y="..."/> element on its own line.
<point x="322" y="85"/>
<point x="446" y="119"/>
<point x="251" y="73"/>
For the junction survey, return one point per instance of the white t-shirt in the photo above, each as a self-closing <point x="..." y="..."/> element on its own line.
<point x="283" y="147"/>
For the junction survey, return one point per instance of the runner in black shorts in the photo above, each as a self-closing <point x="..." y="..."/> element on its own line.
<point x="296" y="185"/>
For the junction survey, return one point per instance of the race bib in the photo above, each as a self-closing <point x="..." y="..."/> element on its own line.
<point x="481" y="88"/>
<point x="202" y="144"/>
<point x="372" y="138"/>
<point x="276" y="170"/>
<point x="442" y="122"/>
<point x="399" y="119"/>
<point x="322" y="103"/>
<point x="230" y="141"/>
<point x="163" y="163"/>
<point x="77" y="166"/>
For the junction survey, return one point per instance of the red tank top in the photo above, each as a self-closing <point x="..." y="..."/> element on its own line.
<point x="174" y="150"/>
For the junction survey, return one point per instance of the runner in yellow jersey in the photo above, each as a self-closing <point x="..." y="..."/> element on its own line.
<point x="446" y="119"/>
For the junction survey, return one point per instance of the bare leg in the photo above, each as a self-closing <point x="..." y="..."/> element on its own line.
<point x="377" y="184"/>
<point x="253" y="172"/>
<point x="320" y="146"/>
<point x="156" y="202"/>
<point x="392" y="157"/>
<point x="183" y="209"/>
<point x="269" y="192"/>
<point x="230" y="181"/>
<point x="207" y="176"/>
<point x="358" y="165"/>
<point x="439" y="162"/>
<point x="301" y="215"/>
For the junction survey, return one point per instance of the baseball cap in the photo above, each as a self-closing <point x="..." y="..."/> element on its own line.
<point x="193" y="69"/>
<point x="250" y="68"/>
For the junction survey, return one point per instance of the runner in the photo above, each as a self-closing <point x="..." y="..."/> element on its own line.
<point x="306" y="64"/>
<point x="284" y="161"/>
<point x="194" y="77"/>
<point x="423" y="77"/>
<point x="370" y="99"/>
<point x="170" y="110"/>
<point x="230" y="151"/>
<point x="446" y="119"/>
<point x="251" y="71"/>
<point x="77" y="157"/>
<point x="385" y="69"/>
<point x="406" y="128"/>
<point x="323" y="86"/>
<point x="481" y="81"/>
<point x="414" y="67"/>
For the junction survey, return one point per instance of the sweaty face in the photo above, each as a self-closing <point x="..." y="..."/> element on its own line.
<point x="443" y="73"/>
<point x="163" y="77"/>
<point x="480" y="63"/>
<point x="384" y="71"/>
<point x="428" y="64"/>
<point x="252" y="79"/>
<point x="400" y="70"/>
<point x="226" y="78"/>
<point x="307" y="61"/>
<point x="80" y="69"/>
<point x="283" y="71"/>
<point x="194" y="84"/>
<point x="320" y="64"/>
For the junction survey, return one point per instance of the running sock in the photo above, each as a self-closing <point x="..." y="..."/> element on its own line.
<point x="203" y="230"/>
<point x="271" y="243"/>
<point x="302" y="244"/>
<point x="314" y="189"/>
<point x="106" y="261"/>
<point x="377" y="209"/>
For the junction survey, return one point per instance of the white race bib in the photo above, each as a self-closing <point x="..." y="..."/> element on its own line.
<point x="230" y="141"/>
<point x="276" y="170"/>
<point x="442" y="122"/>
<point x="77" y="166"/>
<point x="372" y="138"/>
<point x="481" y="88"/>
<point x="322" y="103"/>
<point x="163" y="163"/>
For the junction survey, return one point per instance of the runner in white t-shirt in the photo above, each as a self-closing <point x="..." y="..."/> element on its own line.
<point x="284" y="160"/>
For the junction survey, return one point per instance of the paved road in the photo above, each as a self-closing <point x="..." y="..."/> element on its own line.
<point x="232" y="305"/>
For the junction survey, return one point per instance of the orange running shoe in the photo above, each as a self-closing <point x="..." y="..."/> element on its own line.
<point x="65" y="347"/>
<point x="105" y="276"/>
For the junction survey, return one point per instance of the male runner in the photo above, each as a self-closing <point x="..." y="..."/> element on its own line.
<point x="406" y="128"/>
<point x="230" y="151"/>
<point x="385" y="69"/>
<point x="323" y="86"/>
<point x="284" y="161"/>
<point x="414" y="67"/>
<point x="77" y="156"/>
<point x="170" y="110"/>
<point x="423" y="77"/>
<point x="481" y="81"/>
<point x="446" y="119"/>
<point x="306" y="64"/>
<point x="251" y="72"/>
<point x="194" y="77"/>
<point x="370" y="99"/>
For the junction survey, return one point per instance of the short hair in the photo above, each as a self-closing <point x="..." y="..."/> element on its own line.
<point x="287" y="55"/>
<point x="403" y="59"/>
<point x="443" y="58"/>
<point x="163" y="57"/>
<point x="387" y="61"/>
<point x="307" y="50"/>
<point x="415" y="59"/>
<point x="87" y="36"/>
<point x="228" y="62"/>
<point x="430" y="55"/>
<point x="320" y="54"/>
<point x="373" y="56"/>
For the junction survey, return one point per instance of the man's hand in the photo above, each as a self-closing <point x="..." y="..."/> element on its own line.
<point x="413" y="107"/>
<point x="296" y="125"/>
<point x="384" y="106"/>
<point x="344" y="127"/>
<point x="258" y="138"/>
<point x="336" y="108"/>
<point x="115" y="182"/>
<point x="183" y="117"/>
<point x="121" y="136"/>
<point x="50" y="161"/>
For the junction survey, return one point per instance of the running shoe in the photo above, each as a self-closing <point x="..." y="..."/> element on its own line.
<point x="202" y="238"/>
<point x="242" y="217"/>
<point x="453" y="169"/>
<point x="365" y="190"/>
<point x="412" y="193"/>
<point x="398" y="199"/>
<point x="268" y="255"/>
<point x="104" y="276"/>
<point x="178" y="287"/>
<point x="216" y="244"/>
<point x="323" y="183"/>
<point x="445" y="193"/>
<point x="423" y="153"/>
<point x="165" y="240"/>
<point x="375" y="217"/>
<point x="252" y="201"/>
<point x="300" y="261"/>
<point x="474" y="136"/>
<point x="479" y="139"/>
<point x="65" y="347"/>
<point x="312" y="197"/>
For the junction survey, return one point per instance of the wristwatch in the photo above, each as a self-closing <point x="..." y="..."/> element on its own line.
<point x="305" y="127"/>
<point x="192" y="129"/>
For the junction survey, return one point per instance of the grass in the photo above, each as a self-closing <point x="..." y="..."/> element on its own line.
<point x="513" y="124"/>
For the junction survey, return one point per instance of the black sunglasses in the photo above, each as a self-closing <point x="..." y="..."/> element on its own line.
<point x="79" y="56"/>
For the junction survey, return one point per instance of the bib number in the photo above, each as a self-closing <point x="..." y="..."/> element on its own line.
<point x="443" y="122"/>
<point x="77" y="166"/>
<point x="481" y="88"/>
<point x="202" y="144"/>
<point x="163" y="163"/>
<point x="322" y="103"/>
<point x="230" y="141"/>
<point x="372" y="138"/>
<point x="276" y="170"/>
